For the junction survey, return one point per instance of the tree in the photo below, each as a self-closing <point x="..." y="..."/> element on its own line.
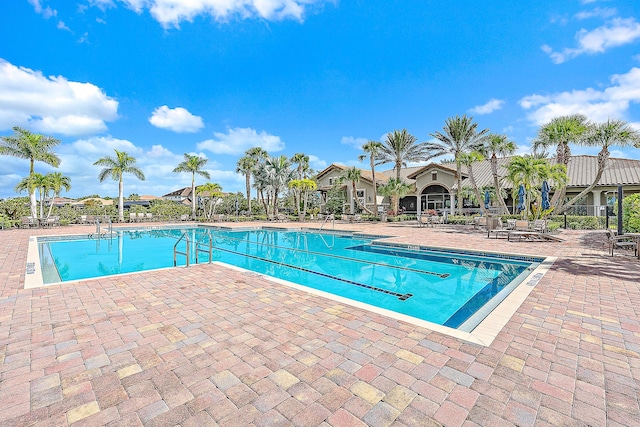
<point x="395" y="188"/>
<point x="530" y="172"/>
<point x="245" y="166"/>
<point x="56" y="183"/>
<point x="116" y="167"/>
<point x="272" y="176"/>
<point x="399" y="148"/>
<point x="604" y="135"/>
<point x="259" y="155"/>
<point x="35" y="147"/>
<point x="193" y="164"/>
<point x="560" y="132"/>
<point x="498" y="145"/>
<point x="468" y="159"/>
<point x="372" y="148"/>
<point x="303" y="186"/>
<point x="459" y="135"/>
<point x="210" y="191"/>
<point x="31" y="183"/>
<point x="302" y="161"/>
<point x="353" y="174"/>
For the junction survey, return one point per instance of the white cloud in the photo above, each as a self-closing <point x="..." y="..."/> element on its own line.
<point x="316" y="163"/>
<point x="598" y="105"/>
<point x="61" y="26"/>
<point x="170" y="13"/>
<point x="176" y="119"/>
<point x="616" y="32"/>
<point x="489" y="107"/>
<point x="238" y="140"/>
<point x="598" y="12"/>
<point x="52" y="104"/>
<point x="354" y="142"/>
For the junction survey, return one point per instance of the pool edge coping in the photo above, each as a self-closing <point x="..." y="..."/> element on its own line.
<point x="483" y="334"/>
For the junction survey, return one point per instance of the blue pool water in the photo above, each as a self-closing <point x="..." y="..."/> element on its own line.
<point x="441" y="286"/>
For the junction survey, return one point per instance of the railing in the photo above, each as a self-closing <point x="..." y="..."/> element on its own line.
<point x="187" y="252"/>
<point x="100" y="231"/>
<point x="331" y="217"/>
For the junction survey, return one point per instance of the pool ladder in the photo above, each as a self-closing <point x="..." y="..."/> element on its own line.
<point x="331" y="217"/>
<point x="187" y="252"/>
<point x="102" y="232"/>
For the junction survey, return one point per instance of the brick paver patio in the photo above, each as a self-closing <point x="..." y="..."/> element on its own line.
<point x="213" y="346"/>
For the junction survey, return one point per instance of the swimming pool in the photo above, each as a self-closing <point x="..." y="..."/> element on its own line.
<point x="446" y="287"/>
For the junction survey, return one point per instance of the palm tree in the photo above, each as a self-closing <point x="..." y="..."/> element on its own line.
<point x="459" y="135"/>
<point x="399" y="148"/>
<point x="604" y="135"/>
<point x="277" y="175"/>
<point x="302" y="160"/>
<point x="468" y="159"/>
<point x="396" y="188"/>
<point x="372" y="148"/>
<point x="499" y="145"/>
<point x="212" y="191"/>
<point x="35" y="147"/>
<point x="560" y="132"/>
<point x="57" y="182"/>
<point x="31" y="183"/>
<point x="307" y="185"/>
<point x="245" y="166"/>
<point x="116" y="167"/>
<point x="194" y="165"/>
<point x="259" y="156"/>
<point x="353" y="174"/>
<point x="530" y="171"/>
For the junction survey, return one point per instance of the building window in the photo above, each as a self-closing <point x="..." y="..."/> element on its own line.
<point x="360" y="194"/>
<point x="330" y="181"/>
<point x="434" y="176"/>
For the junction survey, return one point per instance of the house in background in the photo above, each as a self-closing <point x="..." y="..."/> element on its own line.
<point x="435" y="186"/>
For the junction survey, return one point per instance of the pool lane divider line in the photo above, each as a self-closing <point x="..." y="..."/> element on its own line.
<point x="431" y="273"/>
<point x="401" y="297"/>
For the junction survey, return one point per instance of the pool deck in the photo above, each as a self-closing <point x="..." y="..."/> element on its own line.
<point x="210" y="345"/>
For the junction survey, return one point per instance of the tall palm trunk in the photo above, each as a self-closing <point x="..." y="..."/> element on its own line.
<point x="603" y="156"/>
<point x="193" y="196"/>
<point x="248" y="188"/>
<point x="121" y="200"/>
<point x="496" y="183"/>
<point x="564" y="154"/>
<point x="476" y="190"/>
<point x="459" y="183"/>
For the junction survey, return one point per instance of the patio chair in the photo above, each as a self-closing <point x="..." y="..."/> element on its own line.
<point x="148" y="216"/>
<point x="622" y="242"/>
<point x="511" y="224"/>
<point x="437" y="220"/>
<point x="281" y="217"/>
<point x="479" y="222"/>
<point x="357" y="218"/>
<point x="184" y="217"/>
<point x="499" y="230"/>
<point x="521" y="225"/>
<point x="423" y="220"/>
<point x="133" y="217"/>
<point x="28" y="222"/>
<point x="539" y="225"/>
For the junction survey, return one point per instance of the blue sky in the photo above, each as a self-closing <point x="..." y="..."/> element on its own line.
<point x="160" y="78"/>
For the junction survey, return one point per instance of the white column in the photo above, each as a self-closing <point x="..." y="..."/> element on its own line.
<point x="452" y="202"/>
<point x="597" y="202"/>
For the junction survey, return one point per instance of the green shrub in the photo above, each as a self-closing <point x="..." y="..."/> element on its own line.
<point x="631" y="213"/>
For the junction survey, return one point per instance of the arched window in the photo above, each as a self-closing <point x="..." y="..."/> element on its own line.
<point x="434" y="197"/>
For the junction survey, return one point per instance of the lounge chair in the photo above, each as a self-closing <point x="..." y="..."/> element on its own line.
<point x="622" y="242"/>
<point x="148" y="216"/>
<point x="500" y="230"/>
<point x="133" y="217"/>
<point x="539" y="225"/>
<point x="480" y="221"/>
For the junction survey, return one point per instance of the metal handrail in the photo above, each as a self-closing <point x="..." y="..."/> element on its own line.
<point x="187" y="252"/>
<point x="333" y="221"/>
<point x="176" y="251"/>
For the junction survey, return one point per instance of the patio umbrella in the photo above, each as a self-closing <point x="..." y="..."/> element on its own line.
<point x="545" y="195"/>
<point x="487" y="199"/>
<point x="521" y="198"/>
